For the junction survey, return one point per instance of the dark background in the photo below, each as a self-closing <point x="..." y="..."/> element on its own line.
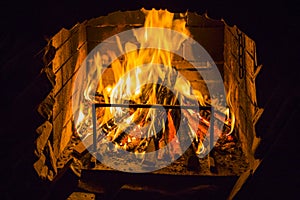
<point x="24" y="25"/>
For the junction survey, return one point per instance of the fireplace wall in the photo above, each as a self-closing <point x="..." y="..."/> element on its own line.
<point x="230" y="48"/>
<point x="240" y="71"/>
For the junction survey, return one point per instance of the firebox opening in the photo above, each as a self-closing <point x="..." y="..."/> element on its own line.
<point x="103" y="121"/>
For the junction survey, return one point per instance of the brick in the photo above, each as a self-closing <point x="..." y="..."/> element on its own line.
<point x="258" y="113"/>
<point x="246" y="132"/>
<point x="50" y="75"/>
<point x="193" y="19"/>
<point x="106" y="46"/>
<point x="99" y="34"/>
<point x="211" y="39"/>
<point x="44" y="132"/>
<point x="63" y="109"/>
<point x="249" y="64"/>
<point x="74" y="64"/>
<point x="98" y="21"/>
<point x="231" y="42"/>
<point x="66" y="51"/>
<point x="245" y="102"/>
<point x="57" y="130"/>
<point x="58" y="82"/>
<point x="62" y="113"/>
<point x="62" y="98"/>
<point x="66" y="135"/>
<point x="67" y="70"/>
<point x="52" y="157"/>
<point x="40" y="167"/>
<point x="186" y="65"/>
<point x="82" y="36"/>
<point x="61" y="134"/>
<point x="250" y="56"/>
<point x="45" y="108"/>
<point x="251" y="90"/>
<point x="134" y="18"/>
<point x="204" y="68"/>
<point x="62" y="128"/>
<point x="59" y="38"/>
<point x="91" y="45"/>
<point x="250" y="46"/>
<point x="191" y="75"/>
<point x="115" y="18"/>
<point x="202" y="86"/>
<point x="63" y="102"/>
<point x="244" y="112"/>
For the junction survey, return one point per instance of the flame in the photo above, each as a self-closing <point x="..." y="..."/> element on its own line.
<point x="127" y="77"/>
<point x="129" y="71"/>
<point x="80" y="117"/>
<point x="230" y="117"/>
<point x="173" y="139"/>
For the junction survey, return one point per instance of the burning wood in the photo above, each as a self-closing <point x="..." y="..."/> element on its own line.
<point x="130" y="137"/>
<point x="141" y="117"/>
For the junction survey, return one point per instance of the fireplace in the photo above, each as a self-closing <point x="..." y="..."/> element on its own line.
<point x="60" y="144"/>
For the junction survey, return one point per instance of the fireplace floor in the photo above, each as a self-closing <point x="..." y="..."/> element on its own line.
<point x="227" y="165"/>
<point x="116" y="184"/>
<point x="227" y="156"/>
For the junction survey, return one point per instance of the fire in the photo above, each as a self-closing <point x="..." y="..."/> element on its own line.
<point x="136" y="126"/>
<point x="229" y="111"/>
<point x="80" y="117"/>
<point x="128" y="77"/>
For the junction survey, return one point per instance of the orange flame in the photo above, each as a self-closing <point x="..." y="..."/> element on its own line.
<point x="121" y="66"/>
<point x="229" y="111"/>
<point x="127" y="78"/>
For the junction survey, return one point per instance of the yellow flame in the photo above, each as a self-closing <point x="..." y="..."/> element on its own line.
<point x="145" y="55"/>
<point x="120" y="68"/>
<point x="230" y="111"/>
<point x="80" y="117"/>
